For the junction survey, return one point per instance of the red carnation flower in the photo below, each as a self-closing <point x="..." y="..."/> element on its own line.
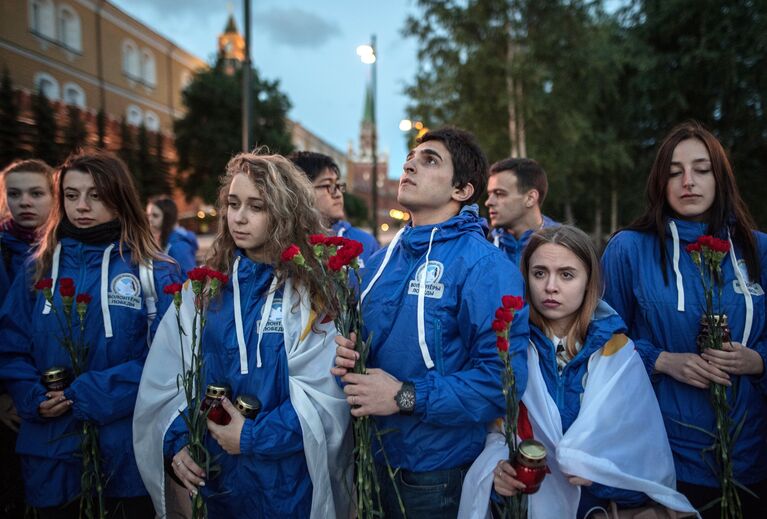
<point x="504" y="315"/>
<point x="45" y="283"/>
<point x="502" y="343"/>
<point x="499" y="326"/>
<point x="83" y="299"/>
<point x="693" y="247"/>
<point x="513" y="302"/>
<point x="172" y="289"/>
<point x="336" y="262"/>
<point x="290" y="253"/>
<point x="335" y="241"/>
<point x="198" y="274"/>
<point x="317" y="239"/>
<point x="67" y="287"/>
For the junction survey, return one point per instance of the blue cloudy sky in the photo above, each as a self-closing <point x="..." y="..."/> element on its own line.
<point x="309" y="46"/>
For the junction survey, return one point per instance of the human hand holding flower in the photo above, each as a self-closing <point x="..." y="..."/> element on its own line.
<point x="346" y="356"/>
<point x="735" y="359"/>
<point x="504" y="481"/>
<point x="56" y="405"/>
<point x="228" y="436"/>
<point x="187" y="471"/>
<point x="372" y="393"/>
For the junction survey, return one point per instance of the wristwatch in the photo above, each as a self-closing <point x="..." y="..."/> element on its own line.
<point x="405" y="399"/>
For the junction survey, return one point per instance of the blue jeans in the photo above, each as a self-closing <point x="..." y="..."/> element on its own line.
<point x="435" y="494"/>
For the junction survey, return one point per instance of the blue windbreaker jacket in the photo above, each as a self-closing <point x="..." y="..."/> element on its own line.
<point x="13" y="254"/>
<point x="182" y="247"/>
<point x="465" y="280"/>
<point x="660" y="318"/>
<point x="567" y="390"/>
<point x="513" y="247"/>
<point x="104" y="394"/>
<point x="270" y="477"/>
<point x="369" y="243"/>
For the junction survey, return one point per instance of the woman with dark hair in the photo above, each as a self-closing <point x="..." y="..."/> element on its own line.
<point x="588" y="398"/>
<point x="655" y="286"/>
<point x="97" y="239"/>
<point x="177" y="242"/>
<point x="268" y="336"/>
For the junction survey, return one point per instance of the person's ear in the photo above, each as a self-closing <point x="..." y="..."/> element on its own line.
<point x="531" y="198"/>
<point x="461" y="194"/>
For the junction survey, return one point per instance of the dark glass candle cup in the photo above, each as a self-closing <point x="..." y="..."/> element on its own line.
<point x="248" y="406"/>
<point x="212" y="403"/>
<point x="56" y="378"/>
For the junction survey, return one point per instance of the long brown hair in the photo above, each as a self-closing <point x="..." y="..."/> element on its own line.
<point x="577" y="242"/>
<point x="117" y="191"/>
<point x="289" y="200"/>
<point x="728" y="211"/>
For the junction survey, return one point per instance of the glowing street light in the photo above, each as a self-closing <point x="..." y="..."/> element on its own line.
<point x="367" y="54"/>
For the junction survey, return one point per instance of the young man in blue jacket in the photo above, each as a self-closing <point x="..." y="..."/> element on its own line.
<point x="329" y="198"/>
<point x="515" y="194"/>
<point x="428" y="303"/>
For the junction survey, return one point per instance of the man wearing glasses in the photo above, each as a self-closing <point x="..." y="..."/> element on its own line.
<point x="324" y="174"/>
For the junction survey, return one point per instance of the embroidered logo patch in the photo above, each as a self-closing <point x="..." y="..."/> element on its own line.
<point x="125" y="290"/>
<point x="274" y="323"/>
<point x="753" y="287"/>
<point x="433" y="272"/>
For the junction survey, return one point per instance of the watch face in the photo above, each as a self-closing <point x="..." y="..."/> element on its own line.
<point x="406" y="399"/>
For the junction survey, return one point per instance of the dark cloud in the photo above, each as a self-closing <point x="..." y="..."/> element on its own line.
<point x="295" y="27"/>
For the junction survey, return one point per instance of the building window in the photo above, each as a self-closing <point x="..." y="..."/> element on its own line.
<point x="42" y="20"/>
<point x="148" y="71"/>
<point x="133" y="115"/>
<point x="131" y="60"/>
<point x="70" y="35"/>
<point x="152" y="122"/>
<point x="74" y="95"/>
<point x="46" y="85"/>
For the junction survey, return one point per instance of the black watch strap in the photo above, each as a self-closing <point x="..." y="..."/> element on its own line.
<point x="405" y="398"/>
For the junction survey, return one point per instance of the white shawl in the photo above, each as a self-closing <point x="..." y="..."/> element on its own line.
<point x="618" y="439"/>
<point x="319" y="402"/>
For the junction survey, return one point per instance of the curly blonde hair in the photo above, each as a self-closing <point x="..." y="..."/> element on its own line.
<point x="289" y="201"/>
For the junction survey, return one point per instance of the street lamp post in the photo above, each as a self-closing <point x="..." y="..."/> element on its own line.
<point x="367" y="54"/>
<point x="247" y="103"/>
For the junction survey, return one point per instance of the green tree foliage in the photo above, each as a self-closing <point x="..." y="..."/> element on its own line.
<point x="45" y="146"/>
<point x="210" y="131"/>
<point x="75" y="134"/>
<point x="9" y="125"/>
<point x="595" y="90"/>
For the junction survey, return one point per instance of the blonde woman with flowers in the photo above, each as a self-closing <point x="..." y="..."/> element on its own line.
<point x="269" y="336"/>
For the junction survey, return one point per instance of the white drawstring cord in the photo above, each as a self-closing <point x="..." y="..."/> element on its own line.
<point x="54" y="275"/>
<point x="677" y="272"/>
<point x="265" y="313"/>
<point x="105" y="291"/>
<point x="421" y="302"/>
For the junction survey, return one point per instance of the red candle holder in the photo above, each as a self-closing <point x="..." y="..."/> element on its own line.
<point x="530" y="465"/>
<point x="212" y="403"/>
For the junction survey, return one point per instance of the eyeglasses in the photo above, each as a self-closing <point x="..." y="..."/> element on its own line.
<point x="333" y="188"/>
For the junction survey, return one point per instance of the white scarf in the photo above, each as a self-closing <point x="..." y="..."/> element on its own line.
<point x="318" y="401"/>
<point x="618" y="439"/>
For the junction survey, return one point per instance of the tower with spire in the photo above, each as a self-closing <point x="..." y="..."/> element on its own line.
<point x="231" y="46"/>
